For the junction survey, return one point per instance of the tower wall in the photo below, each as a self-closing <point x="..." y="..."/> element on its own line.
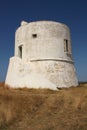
<point x="43" y="40"/>
<point x="43" y="57"/>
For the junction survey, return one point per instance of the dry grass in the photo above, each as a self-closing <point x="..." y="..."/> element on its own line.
<point x="2" y="84"/>
<point x="40" y="109"/>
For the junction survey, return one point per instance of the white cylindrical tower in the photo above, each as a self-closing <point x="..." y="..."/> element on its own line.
<point x="43" y="56"/>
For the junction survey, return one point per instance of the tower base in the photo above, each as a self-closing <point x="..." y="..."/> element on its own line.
<point x="50" y="74"/>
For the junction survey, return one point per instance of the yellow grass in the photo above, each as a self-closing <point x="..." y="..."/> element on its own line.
<point x="42" y="109"/>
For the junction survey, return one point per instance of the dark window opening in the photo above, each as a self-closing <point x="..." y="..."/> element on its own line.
<point x="34" y="35"/>
<point x="66" y="45"/>
<point x="20" y="51"/>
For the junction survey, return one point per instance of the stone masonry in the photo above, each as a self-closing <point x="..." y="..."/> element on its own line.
<point x="43" y="57"/>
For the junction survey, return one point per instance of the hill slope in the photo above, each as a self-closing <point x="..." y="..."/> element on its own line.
<point x="29" y="109"/>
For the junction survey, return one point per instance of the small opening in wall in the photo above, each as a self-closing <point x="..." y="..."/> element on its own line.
<point x="20" y="51"/>
<point x="34" y="35"/>
<point x="66" y="45"/>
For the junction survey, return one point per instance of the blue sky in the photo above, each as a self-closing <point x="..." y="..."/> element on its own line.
<point x="71" y="12"/>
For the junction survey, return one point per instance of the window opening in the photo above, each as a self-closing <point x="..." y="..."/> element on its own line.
<point x="65" y="45"/>
<point x="34" y="35"/>
<point x="20" y="51"/>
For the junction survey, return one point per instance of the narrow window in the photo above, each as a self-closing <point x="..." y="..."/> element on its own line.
<point x="20" y="51"/>
<point x="65" y="45"/>
<point x="34" y="35"/>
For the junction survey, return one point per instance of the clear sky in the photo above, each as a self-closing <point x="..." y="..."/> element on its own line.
<point x="71" y="12"/>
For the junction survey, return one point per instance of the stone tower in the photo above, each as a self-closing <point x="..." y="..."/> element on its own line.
<point x="43" y="57"/>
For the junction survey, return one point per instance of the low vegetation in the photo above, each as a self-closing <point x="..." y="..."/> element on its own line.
<point x="40" y="109"/>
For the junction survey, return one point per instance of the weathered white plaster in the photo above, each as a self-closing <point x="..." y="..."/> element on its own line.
<point x="43" y="57"/>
